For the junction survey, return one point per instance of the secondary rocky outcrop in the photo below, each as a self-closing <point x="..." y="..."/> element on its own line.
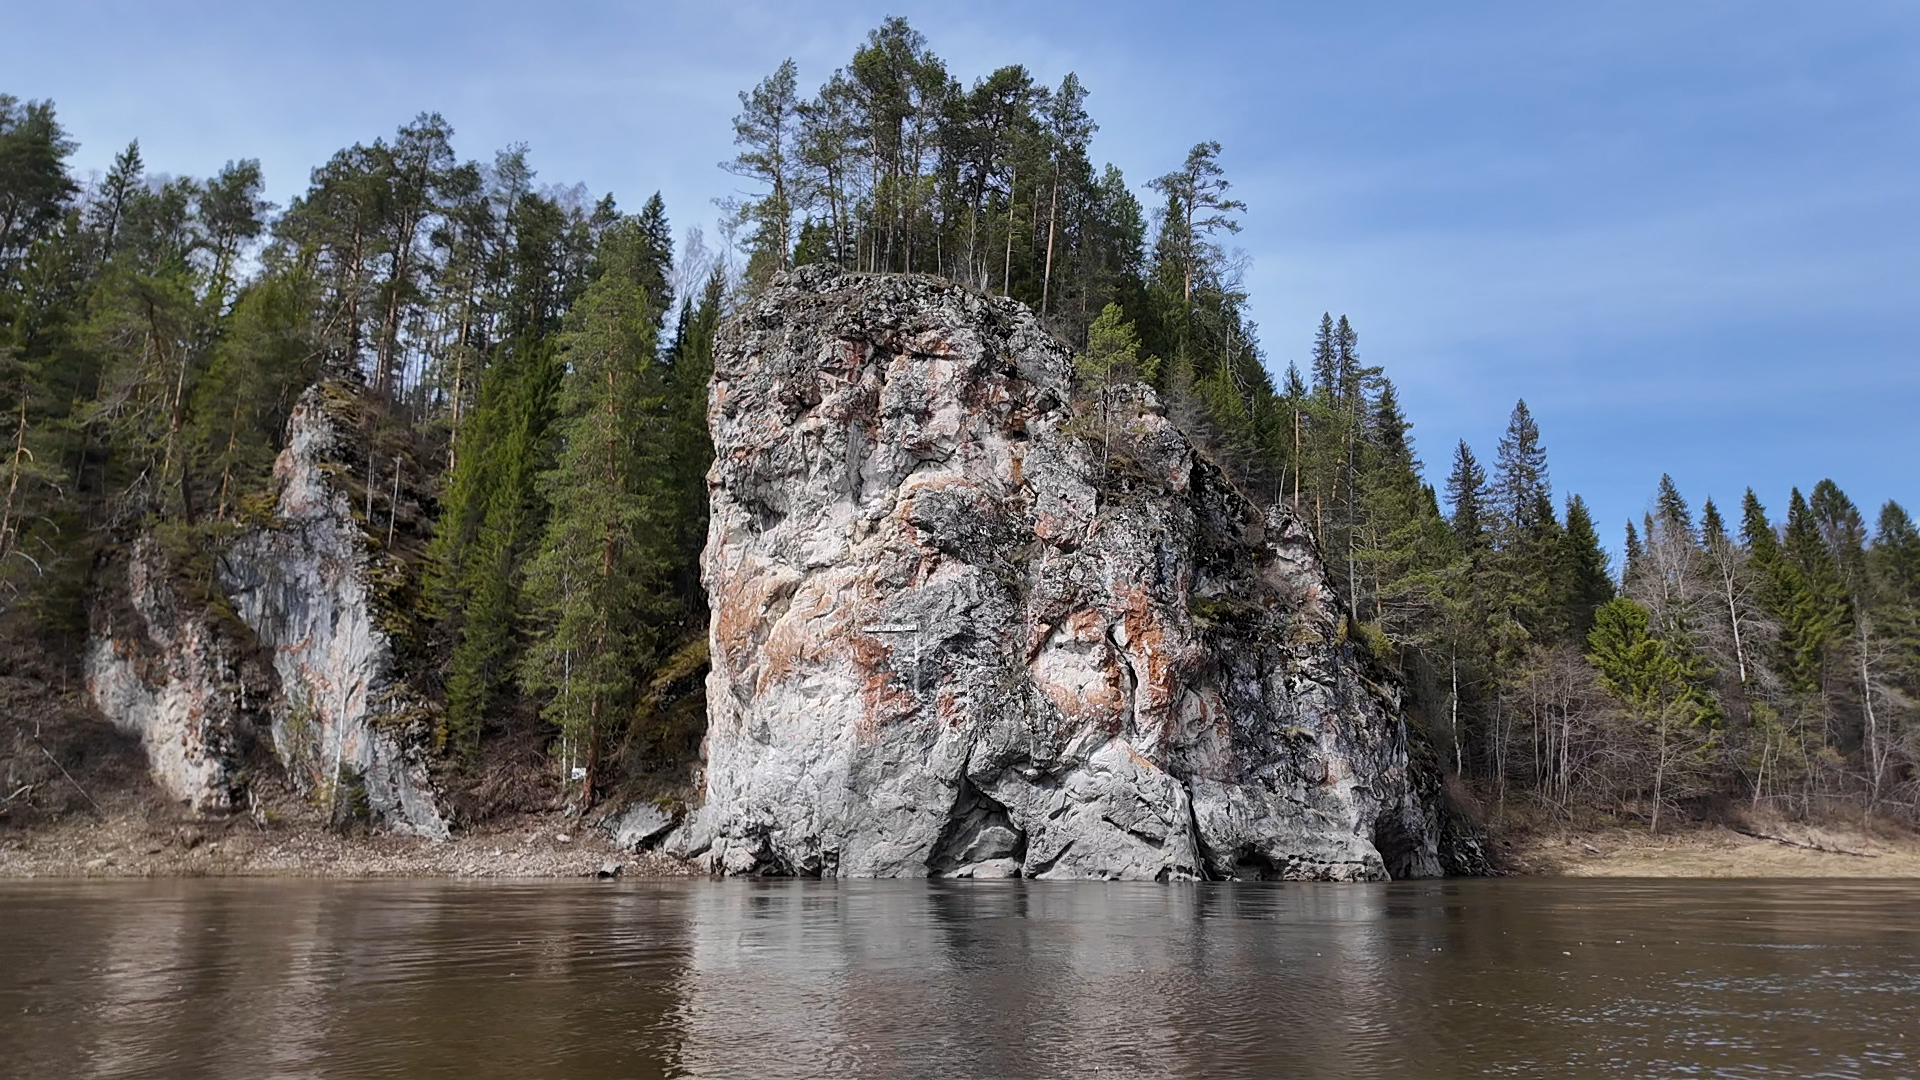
<point x="960" y="628"/>
<point x="304" y="636"/>
<point x="345" y="716"/>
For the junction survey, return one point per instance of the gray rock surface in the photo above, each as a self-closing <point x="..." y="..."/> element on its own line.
<point x="638" y="826"/>
<point x="954" y="635"/>
<point x="345" y="716"/>
<point x="164" y="670"/>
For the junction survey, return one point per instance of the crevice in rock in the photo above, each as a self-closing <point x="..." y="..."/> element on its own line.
<point x="1398" y="848"/>
<point x="1203" y="856"/>
<point x="978" y="830"/>
<point x="1039" y="869"/>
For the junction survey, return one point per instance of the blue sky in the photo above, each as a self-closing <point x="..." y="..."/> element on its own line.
<point x="1685" y="232"/>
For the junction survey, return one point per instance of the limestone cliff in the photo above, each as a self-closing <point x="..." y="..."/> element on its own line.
<point x="345" y="716"/>
<point x="960" y="629"/>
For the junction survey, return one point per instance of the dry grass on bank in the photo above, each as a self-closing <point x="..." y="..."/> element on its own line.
<point x="1740" y="846"/>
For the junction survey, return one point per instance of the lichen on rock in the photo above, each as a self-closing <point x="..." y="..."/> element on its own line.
<point x="954" y="633"/>
<point x="162" y="668"/>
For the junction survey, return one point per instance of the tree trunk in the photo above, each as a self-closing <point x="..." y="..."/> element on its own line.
<point x="1006" y="272"/>
<point x="1876" y="754"/>
<point x="1733" y="620"/>
<point x="1053" y="213"/>
<point x="1659" y="777"/>
<point x="7" y="527"/>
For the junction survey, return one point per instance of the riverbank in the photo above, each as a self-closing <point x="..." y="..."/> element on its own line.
<point x="1743" y="849"/>
<point x="132" y="845"/>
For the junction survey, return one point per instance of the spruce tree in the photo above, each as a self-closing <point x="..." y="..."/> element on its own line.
<point x="1811" y="598"/>
<point x="490" y="522"/>
<point x="1671" y="510"/>
<point x="1895" y="556"/>
<point x="1586" y="583"/>
<point x="1404" y="538"/>
<point x="1467" y="495"/>
<point x="1756" y="532"/>
<point x="1526" y="538"/>
<point x="1894" y="561"/>
<point x="1845" y="533"/>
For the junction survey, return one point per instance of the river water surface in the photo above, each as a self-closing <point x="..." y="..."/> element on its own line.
<point x="958" y="979"/>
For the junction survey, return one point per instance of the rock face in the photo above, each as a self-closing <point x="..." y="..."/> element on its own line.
<point x="347" y="728"/>
<point x="960" y="629"/>
<point x="344" y="716"/>
<point x="164" y="670"/>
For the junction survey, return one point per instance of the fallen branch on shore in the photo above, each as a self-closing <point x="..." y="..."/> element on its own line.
<point x="1808" y="844"/>
<point x="68" y="775"/>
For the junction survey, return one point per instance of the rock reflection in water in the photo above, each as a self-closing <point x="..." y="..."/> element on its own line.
<point x="881" y="979"/>
<point x="1010" y="979"/>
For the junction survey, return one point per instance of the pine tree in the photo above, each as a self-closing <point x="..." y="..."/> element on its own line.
<point x="1112" y="356"/>
<point x="109" y="204"/>
<point x="766" y="129"/>
<point x="1661" y="684"/>
<point x="1198" y="191"/>
<point x="34" y="185"/>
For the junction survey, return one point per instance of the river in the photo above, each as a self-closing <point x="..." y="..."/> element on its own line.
<point x="285" y="978"/>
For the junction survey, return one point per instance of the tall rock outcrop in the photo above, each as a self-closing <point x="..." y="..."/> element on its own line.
<point x="960" y="629"/>
<point x="302" y="584"/>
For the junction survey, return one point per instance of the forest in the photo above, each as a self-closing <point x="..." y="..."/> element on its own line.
<point x="528" y="364"/>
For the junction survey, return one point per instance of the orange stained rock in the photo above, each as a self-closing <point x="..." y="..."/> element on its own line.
<point x="1149" y="645"/>
<point x="805" y="635"/>
<point x="1077" y="670"/>
<point x="886" y="688"/>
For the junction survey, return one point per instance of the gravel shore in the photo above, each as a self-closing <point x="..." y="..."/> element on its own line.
<point x="134" y="845"/>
